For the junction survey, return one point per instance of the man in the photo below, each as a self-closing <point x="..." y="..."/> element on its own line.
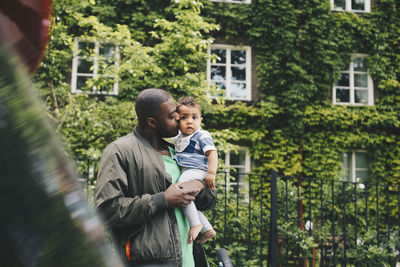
<point x="134" y="190"/>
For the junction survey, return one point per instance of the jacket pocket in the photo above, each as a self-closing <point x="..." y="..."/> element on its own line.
<point x="129" y="254"/>
<point x="154" y="241"/>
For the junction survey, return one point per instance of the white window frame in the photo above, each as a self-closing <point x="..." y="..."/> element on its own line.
<point x="353" y="173"/>
<point x="233" y="1"/>
<point x="370" y="86"/>
<point x="228" y="65"/>
<point x="246" y="166"/>
<point x="349" y="9"/>
<point x="75" y="74"/>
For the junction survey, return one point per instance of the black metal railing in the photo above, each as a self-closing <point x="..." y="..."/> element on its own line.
<point x="344" y="222"/>
<point x="87" y="173"/>
<point x="266" y="220"/>
<point x="242" y="219"/>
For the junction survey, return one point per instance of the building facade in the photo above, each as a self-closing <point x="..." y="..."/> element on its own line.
<point x="309" y="88"/>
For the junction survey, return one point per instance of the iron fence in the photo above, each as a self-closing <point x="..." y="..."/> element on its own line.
<point x="349" y="223"/>
<point x="266" y="220"/>
<point x="87" y="173"/>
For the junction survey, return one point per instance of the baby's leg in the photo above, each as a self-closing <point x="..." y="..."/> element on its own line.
<point x="207" y="231"/>
<point x="192" y="174"/>
<point x="190" y="210"/>
<point x="194" y="221"/>
<point x="191" y="214"/>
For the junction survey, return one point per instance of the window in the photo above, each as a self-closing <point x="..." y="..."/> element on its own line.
<point x="351" y="5"/>
<point x="355" y="166"/>
<point x="231" y="71"/>
<point x="355" y="86"/>
<point x="233" y="1"/>
<point x="94" y="60"/>
<point x="238" y="163"/>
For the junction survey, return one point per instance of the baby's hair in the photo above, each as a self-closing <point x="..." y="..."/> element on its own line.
<point x="188" y="101"/>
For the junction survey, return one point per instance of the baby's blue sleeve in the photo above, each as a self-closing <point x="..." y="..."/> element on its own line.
<point x="206" y="141"/>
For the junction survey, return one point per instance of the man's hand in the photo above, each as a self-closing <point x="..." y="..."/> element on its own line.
<point x="192" y="187"/>
<point x="178" y="196"/>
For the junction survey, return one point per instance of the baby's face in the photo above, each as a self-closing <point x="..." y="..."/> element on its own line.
<point x="190" y="119"/>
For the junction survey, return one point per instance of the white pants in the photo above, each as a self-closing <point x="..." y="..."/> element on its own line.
<point x="194" y="216"/>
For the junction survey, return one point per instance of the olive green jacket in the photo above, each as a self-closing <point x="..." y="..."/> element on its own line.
<point x="129" y="194"/>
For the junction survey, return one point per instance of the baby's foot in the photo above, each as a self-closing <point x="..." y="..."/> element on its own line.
<point x="194" y="232"/>
<point x="206" y="236"/>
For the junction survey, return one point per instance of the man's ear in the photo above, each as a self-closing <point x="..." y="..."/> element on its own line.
<point x="151" y="122"/>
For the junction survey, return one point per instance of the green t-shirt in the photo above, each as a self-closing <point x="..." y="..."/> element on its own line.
<point x="172" y="168"/>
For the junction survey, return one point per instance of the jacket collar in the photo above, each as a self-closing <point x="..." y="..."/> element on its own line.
<point x="163" y="143"/>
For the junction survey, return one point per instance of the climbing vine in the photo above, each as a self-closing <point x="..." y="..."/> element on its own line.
<point x="299" y="48"/>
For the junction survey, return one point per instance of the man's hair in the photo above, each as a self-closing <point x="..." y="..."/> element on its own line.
<point x="188" y="101"/>
<point x="148" y="103"/>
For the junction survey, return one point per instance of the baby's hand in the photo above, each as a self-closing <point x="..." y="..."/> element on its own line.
<point x="210" y="180"/>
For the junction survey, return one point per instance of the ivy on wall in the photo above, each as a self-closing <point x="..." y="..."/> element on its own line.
<point x="299" y="47"/>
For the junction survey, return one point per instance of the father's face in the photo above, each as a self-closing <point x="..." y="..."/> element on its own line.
<point x="168" y="119"/>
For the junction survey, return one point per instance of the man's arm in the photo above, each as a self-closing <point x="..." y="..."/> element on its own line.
<point x="121" y="210"/>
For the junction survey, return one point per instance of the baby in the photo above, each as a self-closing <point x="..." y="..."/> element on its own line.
<point x="196" y="154"/>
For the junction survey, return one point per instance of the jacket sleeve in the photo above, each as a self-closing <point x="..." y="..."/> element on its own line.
<point x="111" y="194"/>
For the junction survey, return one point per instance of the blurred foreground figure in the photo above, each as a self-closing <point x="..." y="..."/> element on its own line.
<point x="24" y="29"/>
<point x="44" y="218"/>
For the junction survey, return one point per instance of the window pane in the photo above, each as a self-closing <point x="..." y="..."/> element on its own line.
<point x="362" y="175"/>
<point x="218" y="73"/>
<point x="236" y="179"/>
<point x="234" y="175"/>
<point x="238" y="73"/>
<point x="238" y="57"/>
<point x="241" y="175"/>
<point x="346" y="166"/>
<point x="344" y="80"/>
<point x="361" y="80"/>
<point x="220" y="89"/>
<point x="361" y="96"/>
<point x="220" y="85"/>
<point x="237" y="172"/>
<point x="86" y="48"/>
<point x="105" y="85"/>
<point x="342" y="95"/>
<point x="85" y="66"/>
<point x="238" y="90"/>
<point x="105" y="65"/>
<point x="81" y="82"/>
<point x="361" y="161"/>
<point x="339" y="4"/>
<point x="107" y="50"/>
<point x="360" y="64"/>
<point x="237" y="158"/>
<point x="221" y="54"/>
<point x="357" y="4"/>
<point x="346" y="67"/>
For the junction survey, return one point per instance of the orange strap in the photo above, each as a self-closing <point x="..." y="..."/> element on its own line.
<point x="128" y="249"/>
